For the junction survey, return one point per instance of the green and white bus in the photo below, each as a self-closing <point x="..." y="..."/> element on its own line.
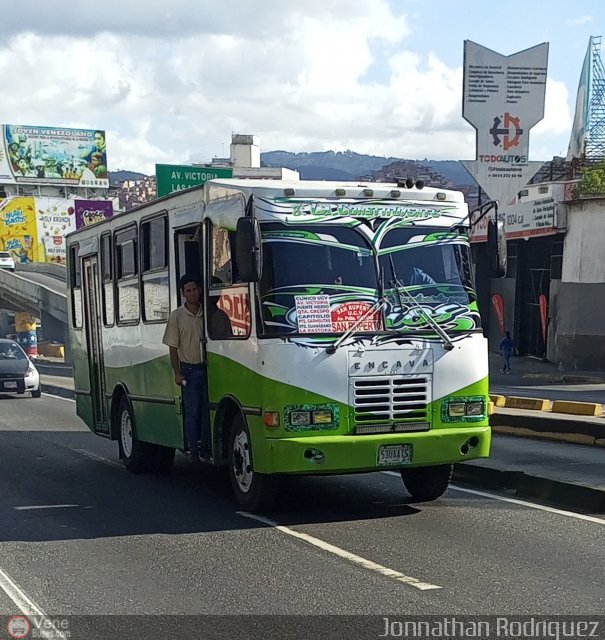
<point x="354" y="341"/>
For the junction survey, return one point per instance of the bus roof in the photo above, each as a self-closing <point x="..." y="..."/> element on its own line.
<point x="359" y="190"/>
<point x="328" y="189"/>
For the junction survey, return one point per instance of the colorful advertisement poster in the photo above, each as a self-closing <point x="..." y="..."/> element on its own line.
<point x="50" y="155"/>
<point x="18" y="228"/>
<point x="90" y="211"/>
<point x="55" y="219"/>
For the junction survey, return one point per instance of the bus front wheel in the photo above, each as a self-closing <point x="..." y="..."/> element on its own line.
<point x="253" y="491"/>
<point x="137" y="456"/>
<point x="427" y="483"/>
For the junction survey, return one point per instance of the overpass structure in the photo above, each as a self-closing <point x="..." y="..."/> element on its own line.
<point x="40" y="289"/>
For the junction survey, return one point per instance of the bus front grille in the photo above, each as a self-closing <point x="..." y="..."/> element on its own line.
<point x="390" y="399"/>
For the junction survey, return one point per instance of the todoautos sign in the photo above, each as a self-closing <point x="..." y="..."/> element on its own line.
<point x="503" y="99"/>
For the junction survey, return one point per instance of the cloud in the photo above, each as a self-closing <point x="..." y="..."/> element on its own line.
<point x="170" y="83"/>
<point x="580" y="21"/>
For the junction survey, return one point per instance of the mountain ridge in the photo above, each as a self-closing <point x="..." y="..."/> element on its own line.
<point x="344" y="165"/>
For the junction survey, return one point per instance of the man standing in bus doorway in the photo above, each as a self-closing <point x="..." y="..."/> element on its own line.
<point x="184" y="334"/>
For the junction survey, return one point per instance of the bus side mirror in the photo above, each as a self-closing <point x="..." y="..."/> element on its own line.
<point x="248" y="250"/>
<point x="496" y="246"/>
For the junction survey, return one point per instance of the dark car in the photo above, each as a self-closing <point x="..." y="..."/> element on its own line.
<point x="17" y="372"/>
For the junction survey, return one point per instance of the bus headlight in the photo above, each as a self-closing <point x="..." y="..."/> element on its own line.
<point x="456" y="409"/>
<point x="460" y="409"/>
<point x="475" y="408"/>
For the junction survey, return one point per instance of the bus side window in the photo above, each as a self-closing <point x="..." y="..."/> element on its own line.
<point x="127" y="275"/>
<point x="75" y="277"/>
<point x="228" y="302"/>
<point x="220" y="258"/>
<point x="154" y="269"/>
<point x="107" y="283"/>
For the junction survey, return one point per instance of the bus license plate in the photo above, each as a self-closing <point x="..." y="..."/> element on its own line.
<point x="392" y="454"/>
<point x="10" y="384"/>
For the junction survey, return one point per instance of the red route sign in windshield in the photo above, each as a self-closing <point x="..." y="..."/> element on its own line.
<point x="347" y="314"/>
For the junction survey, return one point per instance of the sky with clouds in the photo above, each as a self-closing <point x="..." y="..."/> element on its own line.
<point x="171" y="81"/>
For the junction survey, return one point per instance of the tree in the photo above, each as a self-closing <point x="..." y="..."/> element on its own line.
<point x="593" y="180"/>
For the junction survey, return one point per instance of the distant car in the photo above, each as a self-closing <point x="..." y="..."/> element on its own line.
<point x="6" y="261"/>
<point x="17" y="372"/>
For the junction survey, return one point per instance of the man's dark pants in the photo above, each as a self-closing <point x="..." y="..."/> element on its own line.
<point x="195" y="401"/>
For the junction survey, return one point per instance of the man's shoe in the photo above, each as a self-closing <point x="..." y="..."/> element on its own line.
<point x="205" y="453"/>
<point x="194" y="456"/>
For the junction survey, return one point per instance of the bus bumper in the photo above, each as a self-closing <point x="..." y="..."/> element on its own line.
<point x="349" y="454"/>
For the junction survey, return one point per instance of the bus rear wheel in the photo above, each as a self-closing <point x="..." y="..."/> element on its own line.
<point x="427" y="483"/>
<point x="137" y="456"/>
<point x="253" y="491"/>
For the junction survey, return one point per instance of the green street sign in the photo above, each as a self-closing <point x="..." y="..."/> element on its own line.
<point x="175" y="177"/>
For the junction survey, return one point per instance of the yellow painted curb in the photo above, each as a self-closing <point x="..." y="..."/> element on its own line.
<point x="490" y="408"/>
<point x="577" y="408"/>
<point x="599" y="442"/>
<point x="532" y="404"/>
<point x="497" y="400"/>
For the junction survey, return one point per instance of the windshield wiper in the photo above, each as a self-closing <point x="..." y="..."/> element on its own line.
<point x="377" y="306"/>
<point x="396" y="284"/>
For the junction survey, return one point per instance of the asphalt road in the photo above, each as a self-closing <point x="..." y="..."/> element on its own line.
<point x="80" y="535"/>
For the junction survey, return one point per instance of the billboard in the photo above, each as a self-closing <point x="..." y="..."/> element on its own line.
<point x="536" y="214"/>
<point x="90" y="211"/>
<point x="51" y="155"/>
<point x="173" y="177"/>
<point x="18" y="228"/>
<point x="55" y="217"/>
<point x="503" y="99"/>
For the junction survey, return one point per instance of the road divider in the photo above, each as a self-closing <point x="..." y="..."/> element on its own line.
<point x="529" y="404"/>
<point x="577" y="408"/>
<point x="568" y="494"/>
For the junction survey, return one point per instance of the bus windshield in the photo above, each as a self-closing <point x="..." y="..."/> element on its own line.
<point x="308" y="270"/>
<point x="322" y="279"/>
<point x="428" y="269"/>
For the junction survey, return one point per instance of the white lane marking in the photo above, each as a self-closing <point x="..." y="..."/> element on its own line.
<point x="98" y="458"/>
<point x="523" y="503"/>
<point x="33" y="507"/>
<point x="27" y="606"/>
<point x="51" y="395"/>
<point x="341" y="553"/>
<point x="16" y="594"/>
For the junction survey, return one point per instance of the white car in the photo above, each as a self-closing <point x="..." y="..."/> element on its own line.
<point x="17" y="372"/>
<point x="6" y="261"/>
